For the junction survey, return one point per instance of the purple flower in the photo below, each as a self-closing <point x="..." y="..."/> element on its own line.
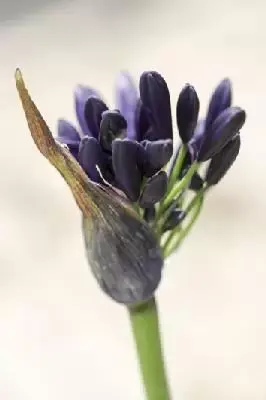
<point x="214" y="138"/>
<point x="128" y="147"/>
<point x="124" y="145"/>
<point x="221" y="124"/>
<point x="155" y="104"/>
<point x="222" y="161"/>
<point x="187" y="110"/>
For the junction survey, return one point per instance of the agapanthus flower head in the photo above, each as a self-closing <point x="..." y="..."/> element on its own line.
<point x="128" y="147"/>
<point x="128" y="144"/>
<point x="132" y="209"/>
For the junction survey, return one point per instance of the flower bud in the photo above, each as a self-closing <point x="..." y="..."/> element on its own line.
<point x="123" y="255"/>
<point x="222" y="162"/>
<point x="187" y="110"/>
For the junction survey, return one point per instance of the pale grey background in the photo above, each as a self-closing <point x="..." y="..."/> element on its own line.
<point x="60" y="337"/>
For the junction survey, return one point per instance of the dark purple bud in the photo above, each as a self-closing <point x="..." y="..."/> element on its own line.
<point x="187" y="110"/>
<point x="149" y="214"/>
<point x="158" y="154"/>
<point x="174" y="219"/>
<point x="222" y="161"/>
<point x="126" y="102"/>
<point x="224" y="128"/>
<point x="90" y="155"/>
<point x="81" y="95"/>
<point x="93" y="110"/>
<point x="153" y="190"/>
<point x="67" y="133"/>
<point x="127" y="172"/>
<point x="155" y="97"/>
<point x="220" y="100"/>
<point x="142" y="124"/>
<point x="113" y="126"/>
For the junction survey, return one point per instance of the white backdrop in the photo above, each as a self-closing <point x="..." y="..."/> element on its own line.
<point x="60" y="337"/>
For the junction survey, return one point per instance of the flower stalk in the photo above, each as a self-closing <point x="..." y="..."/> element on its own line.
<point x="145" y="326"/>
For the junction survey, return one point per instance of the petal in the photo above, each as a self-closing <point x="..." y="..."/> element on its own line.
<point x="220" y="100"/>
<point x="67" y="133"/>
<point x="224" y="128"/>
<point x="127" y="172"/>
<point x="174" y="219"/>
<point x="142" y="124"/>
<point x="222" y="161"/>
<point x="154" y="189"/>
<point x="158" y="154"/>
<point x="187" y="110"/>
<point x="93" y="109"/>
<point x="81" y="95"/>
<point x="155" y="97"/>
<point x="90" y="155"/>
<point x="113" y="126"/>
<point x="126" y="101"/>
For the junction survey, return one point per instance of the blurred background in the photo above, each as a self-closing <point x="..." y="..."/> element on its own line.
<point x="60" y="337"/>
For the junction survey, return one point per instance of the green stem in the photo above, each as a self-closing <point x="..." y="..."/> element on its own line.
<point x="182" y="184"/>
<point x="146" y="331"/>
<point x="174" y="240"/>
<point x="177" y="167"/>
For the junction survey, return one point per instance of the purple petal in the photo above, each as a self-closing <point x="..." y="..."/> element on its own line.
<point x="187" y="110"/>
<point x="67" y="133"/>
<point x="113" y="126"/>
<point x="142" y="124"/>
<point x="220" y="100"/>
<point x="158" y="153"/>
<point x="222" y="162"/>
<point x="154" y="190"/>
<point x="90" y="155"/>
<point x="155" y="97"/>
<point x="224" y="128"/>
<point x="93" y="110"/>
<point x="127" y="172"/>
<point x="197" y="140"/>
<point x="81" y="95"/>
<point x="126" y="101"/>
<point x="74" y="150"/>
